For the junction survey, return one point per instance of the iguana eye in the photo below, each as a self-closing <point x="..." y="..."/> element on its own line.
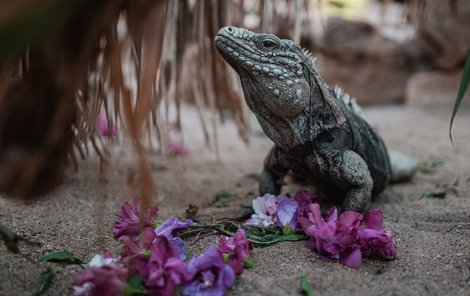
<point x="269" y="43"/>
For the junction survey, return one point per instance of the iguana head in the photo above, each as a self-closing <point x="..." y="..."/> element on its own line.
<point x="274" y="72"/>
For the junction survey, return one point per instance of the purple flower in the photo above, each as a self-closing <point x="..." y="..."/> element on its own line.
<point x="237" y="250"/>
<point x="273" y="210"/>
<point x="286" y="211"/>
<point x="211" y="276"/>
<point x="103" y="128"/>
<point x="102" y="281"/>
<point x="167" y="229"/>
<point x="129" y="223"/>
<point x="161" y="273"/>
<point x="373" y="241"/>
<point x="171" y="225"/>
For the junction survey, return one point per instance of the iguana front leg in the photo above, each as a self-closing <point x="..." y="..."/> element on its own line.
<point x="351" y="170"/>
<point x="275" y="168"/>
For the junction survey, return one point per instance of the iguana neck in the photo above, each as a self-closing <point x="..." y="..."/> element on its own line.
<point x="322" y="113"/>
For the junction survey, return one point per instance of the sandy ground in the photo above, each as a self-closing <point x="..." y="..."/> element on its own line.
<point x="432" y="235"/>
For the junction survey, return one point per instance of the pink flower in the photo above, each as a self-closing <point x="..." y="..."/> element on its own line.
<point x="373" y="241"/>
<point x="161" y="273"/>
<point x="141" y="245"/>
<point x="304" y="198"/>
<point x="103" y="128"/>
<point x="237" y="250"/>
<point x="103" y="277"/>
<point x="342" y="237"/>
<point x="178" y="149"/>
<point x="333" y="236"/>
<point x="129" y="223"/>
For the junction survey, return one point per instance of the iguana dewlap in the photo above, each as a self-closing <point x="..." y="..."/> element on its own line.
<point x="318" y="133"/>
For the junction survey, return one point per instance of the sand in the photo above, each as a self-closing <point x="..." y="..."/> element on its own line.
<point x="432" y="235"/>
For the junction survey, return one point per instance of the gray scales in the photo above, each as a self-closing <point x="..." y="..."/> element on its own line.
<point x="318" y="133"/>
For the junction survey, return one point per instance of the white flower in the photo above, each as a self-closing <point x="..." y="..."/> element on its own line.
<point x="265" y="208"/>
<point x="100" y="260"/>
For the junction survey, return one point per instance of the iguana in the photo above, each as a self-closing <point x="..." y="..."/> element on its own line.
<point x="318" y="133"/>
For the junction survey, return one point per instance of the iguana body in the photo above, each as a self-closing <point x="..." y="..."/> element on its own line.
<point x="318" y="133"/>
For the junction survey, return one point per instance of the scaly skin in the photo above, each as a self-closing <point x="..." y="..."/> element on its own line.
<point x="316" y="133"/>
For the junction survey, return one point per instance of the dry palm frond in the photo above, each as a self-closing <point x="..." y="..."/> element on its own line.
<point x="71" y="60"/>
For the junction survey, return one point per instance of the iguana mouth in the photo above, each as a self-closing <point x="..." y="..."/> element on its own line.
<point x="237" y="52"/>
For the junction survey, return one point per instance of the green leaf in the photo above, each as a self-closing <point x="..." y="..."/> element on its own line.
<point x="249" y="263"/>
<point x="434" y="194"/>
<point x="305" y="288"/>
<point x="62" y="257"/>
<point x="218" y="199"/>
<point x="46" y="281"/>
<point x="134" y="287"/>
<point x="157" y="223"/>
<point x="430" y="165"/>
<point x="226" y="257"/>
<point x="463" y="88"/>
<point x="287" y="230"/>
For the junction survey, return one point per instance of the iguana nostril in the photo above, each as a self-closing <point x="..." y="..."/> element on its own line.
<point x="230" y="30"/>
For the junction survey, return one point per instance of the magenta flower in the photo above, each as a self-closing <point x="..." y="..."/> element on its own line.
<point x="304" y="198"/>
<point x="168" y="228"/>
<point x="211" y="276"/>
<point x="273" y="210"/>
<point x="102" y="281"/>
<point x="161" y="273"/>
<point x="104" y="129"/>
<point x="178" y="149"/>
<point x="141" y="245"/>
<point x="236" y="250"/>
<point x="129" y="223"/>
<point x="373" y="241"/>
<point x="333" y="236"/>
<point x="341" y="237"/>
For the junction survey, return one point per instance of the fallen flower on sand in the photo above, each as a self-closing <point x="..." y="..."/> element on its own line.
<point x="341" y="237"/>
<point x="211" y="275"/>
<point x="236" y="250"/>
<point x="160" y="271"/>
<point x="129" y="223"/>
<point x="104" y="129"/>
<point x="104" y="277"/>
<point x="168" y="228"/>
<point x="178" y="149"/>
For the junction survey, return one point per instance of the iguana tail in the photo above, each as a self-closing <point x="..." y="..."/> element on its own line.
<point x="403" y="166"/>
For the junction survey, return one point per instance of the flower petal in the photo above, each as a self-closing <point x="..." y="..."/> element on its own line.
<point x="374" y="219"/>
<point x="286" y="210"/>
<point x="353" y="259"/>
